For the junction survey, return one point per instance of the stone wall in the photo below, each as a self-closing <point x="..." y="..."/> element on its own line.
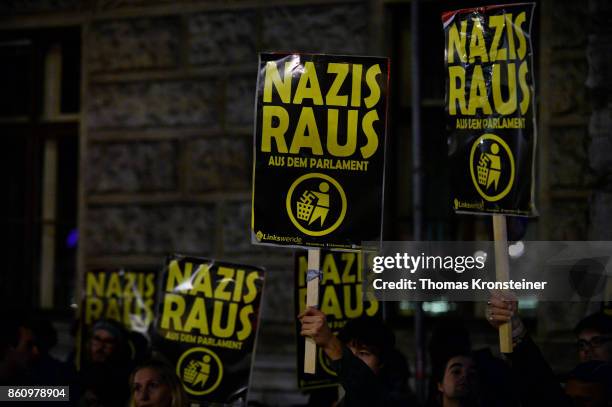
<point x="599" y="82"/>
<point x="576" y="146"/>
<point x="564" y="112"/>
<point x="575" y="119"/>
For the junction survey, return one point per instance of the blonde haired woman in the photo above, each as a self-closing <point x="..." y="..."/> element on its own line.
<point x="154" y="384"/>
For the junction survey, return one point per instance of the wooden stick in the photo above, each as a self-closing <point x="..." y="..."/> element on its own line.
<point x="312" y="300"/>
<point x="502" y="273"/>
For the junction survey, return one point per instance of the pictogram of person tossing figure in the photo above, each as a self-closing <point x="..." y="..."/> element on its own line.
<point x="489" y="167"/>
<point x="197" y="372"/>
<point x="322" y="207"/>
<point x="309" y="212"/>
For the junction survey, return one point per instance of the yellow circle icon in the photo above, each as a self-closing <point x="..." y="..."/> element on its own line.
<point x="197" y="368"/>
<point x="315" y="204"/>
<point x="490" y="167"/>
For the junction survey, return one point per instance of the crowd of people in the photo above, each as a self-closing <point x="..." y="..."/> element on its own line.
<point x="461" y="376"/>
<point x="118" y="369"/>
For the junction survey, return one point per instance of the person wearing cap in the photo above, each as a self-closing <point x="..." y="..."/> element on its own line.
<point x="104" y="376"/>
<point x="107" y="342"/>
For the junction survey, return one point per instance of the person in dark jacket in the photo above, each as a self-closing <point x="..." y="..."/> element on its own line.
<point x="537" y="384"/>
<point x="364" y="356"/>
<point x="492" y="385"/>
<point x="591" y="383"/>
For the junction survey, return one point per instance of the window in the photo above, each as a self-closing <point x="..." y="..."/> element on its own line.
<point x="39" y="123"/>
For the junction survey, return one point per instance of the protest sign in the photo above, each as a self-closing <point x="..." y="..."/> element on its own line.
<point x="319" y="150"/>
<point x="124" y="296"/>
<point x="490" y="108"/>
<point x="206" y="325"/>
<point x="341" y="299"/>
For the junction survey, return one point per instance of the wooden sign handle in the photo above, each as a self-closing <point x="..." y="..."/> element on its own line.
<point x="312" y="300"/>
<point x="502" y="273"/>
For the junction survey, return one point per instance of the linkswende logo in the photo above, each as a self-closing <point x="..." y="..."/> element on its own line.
<point x="491" y="167"/>
<point x="201" y="371"/>
<point x="316" y="204"/>
<point x="470" y="205"/>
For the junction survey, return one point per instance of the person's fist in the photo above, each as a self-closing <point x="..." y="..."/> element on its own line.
<point x="502" y="307"/>
<point x="314" y="325"/>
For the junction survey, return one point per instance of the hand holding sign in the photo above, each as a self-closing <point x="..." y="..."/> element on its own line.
<point x="314" y="325"/>
<point x="341" y="294"/>
<point x="502" y="308"/>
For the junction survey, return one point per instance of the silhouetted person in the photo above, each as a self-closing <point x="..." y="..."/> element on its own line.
<point x="18" y="350"/>
<point x="590" y="383"/>
<point x="537" y="384"/>
<point x="48" y="370"/>
<point x="451" y="338"/>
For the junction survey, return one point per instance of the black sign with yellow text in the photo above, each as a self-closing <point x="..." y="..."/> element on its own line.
<point x="319" y="148"/>
<point x="206" y="325"/>
<point x="341" y="298"/>
<point x="490" y="108"/>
